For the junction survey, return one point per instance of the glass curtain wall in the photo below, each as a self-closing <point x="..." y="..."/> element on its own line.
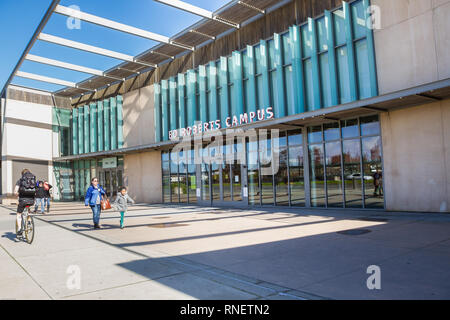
<point x="346" y="164"/>
<point x="296" y="173"/>
<point x="345" y="168"/>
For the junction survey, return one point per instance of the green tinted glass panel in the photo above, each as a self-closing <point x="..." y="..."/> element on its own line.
<point x="339" y="26"/>
<point x="322" y="34"/>
<point x="363" y="69"/>
<point x="325" y="80"/>
<point x="358" y="18"/>
<point x="306" y="41"/>
<point x="343" y="75"/>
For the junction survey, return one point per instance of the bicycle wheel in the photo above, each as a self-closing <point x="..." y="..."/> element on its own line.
<point x="29" y="229"/>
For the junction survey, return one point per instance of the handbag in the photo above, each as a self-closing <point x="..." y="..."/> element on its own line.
<point x="104" y="203"/>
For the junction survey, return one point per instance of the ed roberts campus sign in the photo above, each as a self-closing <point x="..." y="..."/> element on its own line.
<point x="232" y="121"/>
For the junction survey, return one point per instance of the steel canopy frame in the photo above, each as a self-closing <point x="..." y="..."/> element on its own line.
<point x="60" y="82"/>
<point x="41" y="26"/>
<point x="57" y="8"/>
<point x="69" y="66"/>
<point x="117" y="26"/>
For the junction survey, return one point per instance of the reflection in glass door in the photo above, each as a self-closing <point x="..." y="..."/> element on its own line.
<point x="373" y="172"/>
<point x="333" y="173"/>
<point x="352" y="173"/>
<point x="316" y="172"/>
<point x="236" y="174"/>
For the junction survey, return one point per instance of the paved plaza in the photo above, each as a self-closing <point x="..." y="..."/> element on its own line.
<point x="189" y="252"/>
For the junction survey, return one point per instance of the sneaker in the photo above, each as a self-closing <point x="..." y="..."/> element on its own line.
<point x="121" y="227"/>
<point x="19" y="233"/>
<point x="96" y="226"/>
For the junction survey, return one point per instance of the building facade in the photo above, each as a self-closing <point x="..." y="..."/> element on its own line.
<point x="348" y="108"/>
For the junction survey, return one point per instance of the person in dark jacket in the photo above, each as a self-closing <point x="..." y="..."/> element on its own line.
<point x="25" y="188"/>
<point x="40" y="197"/>
<point x="47" y="187"/>
<point x="93" y="198"/>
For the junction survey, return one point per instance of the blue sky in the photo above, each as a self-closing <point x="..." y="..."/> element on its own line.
<point x="20" y="18"/>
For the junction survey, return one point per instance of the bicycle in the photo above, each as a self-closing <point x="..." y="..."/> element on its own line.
<point x="27" y="226"/>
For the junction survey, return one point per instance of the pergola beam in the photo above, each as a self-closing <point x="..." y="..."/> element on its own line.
<point x="69" y="66"/>
<point x="60" y="82"/>
<point x="197" y="11"/>
<point x="30" y="44"/>
<point x="117" y="26"/>
<point x="92" y="49"/>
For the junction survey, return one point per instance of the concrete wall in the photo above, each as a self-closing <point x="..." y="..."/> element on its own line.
<point x="416" y="152"/>
<point x="138" y="117"/>
<point x="412" y="47"/>
<point x="26" y="142"/>
<point x="143" y="177"/>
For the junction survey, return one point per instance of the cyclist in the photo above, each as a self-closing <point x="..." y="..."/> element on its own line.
<point x="25" y="189"/>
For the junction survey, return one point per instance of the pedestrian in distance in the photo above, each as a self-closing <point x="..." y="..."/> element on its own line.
<point x="121" y="204"/>
<point x="47" y="187"/>
<point x="93" y="199"/>
<point x="40" y="197"/>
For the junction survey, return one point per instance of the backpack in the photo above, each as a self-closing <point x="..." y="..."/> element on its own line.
<point x="27" y="186"/>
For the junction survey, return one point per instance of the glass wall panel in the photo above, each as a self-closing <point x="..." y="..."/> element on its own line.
<point x="370" y="126"/>
<point x="334" y="173"/>
<point x="359" y="21"/>
<point x="205" y="176"/>
<point x="215" y="176"/>
<point x="306" y="41"/>
<point x="349" y="128"/>
<point x="226" y="176"/>
<point x="265" y="156"/>
<point x="166" y="176"/>
<point x="309" y="87"/>
<point x="315" y="134"/>
<point x="257" y="52"/>
<point x="174" y="181"/>
<point x="287" y="56"/>
<point x="271" y="46"/>
<point x="192" y="179"/>
<point x="363" y="69"/>
<point x="316" y="172"/>
<point x="331" y="131"/>
<point x="290" y="104"/>
<point x="281" y="175"/>
<point x="296" y="175"/>
<point x="373" y="172"/>
<point x="182" y="176"/>
<point x="236" y="172"/>
<point x="322" y="34"/>
<point x="253" y="173"/>
<point x="352" y="173"/>
<point x="343" y="74"/>
<point x="339" y="26"/>
<point x="325" y="80"/>
<point x="260" y="92"/>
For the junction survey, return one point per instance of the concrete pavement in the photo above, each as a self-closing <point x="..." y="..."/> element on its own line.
<point x="188" y="252"/>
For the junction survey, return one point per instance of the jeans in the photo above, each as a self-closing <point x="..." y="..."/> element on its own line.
<point x="39" y="201"/>
<point x="96" y="213"/>
<point x="47" y="203"/>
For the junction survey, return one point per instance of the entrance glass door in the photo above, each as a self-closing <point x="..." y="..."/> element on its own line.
<point x="111" y="180"/>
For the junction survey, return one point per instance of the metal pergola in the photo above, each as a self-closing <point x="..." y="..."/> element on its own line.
<point x="212" y="26"/>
